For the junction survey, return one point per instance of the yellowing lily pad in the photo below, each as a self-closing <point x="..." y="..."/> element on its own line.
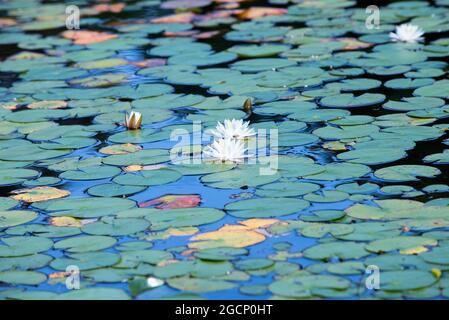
<point x="39" y="194"/>
<point x="55" y="104"/>
<point x="235" y="236"/>
<point x="120" y="149"/>
<point x="69" y="222"/>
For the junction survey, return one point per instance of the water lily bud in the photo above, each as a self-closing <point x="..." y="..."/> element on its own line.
<point x="248" y="105"/>
<point x="436" y="273"/>
<point x="133" y="120"/>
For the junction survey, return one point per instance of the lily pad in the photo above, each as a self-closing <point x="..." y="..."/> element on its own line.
<point x="85" y="243"/>
<point x="84" y="207"/>
<point x="348" y="100"/>
<point x="265" y="207"/>
<point x="39" y="194"/>
<point x="162" y="219"/>
<point x="406" y="172"/>
<point x="16" y="217"/>
<point x="22" y="277"/>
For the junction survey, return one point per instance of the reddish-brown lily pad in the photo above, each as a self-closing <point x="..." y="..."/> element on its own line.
<point x="87" y="37"/>
<point x="258" y="12"/>
<point x="185" y="4"/>
<point x="173" y="202"/>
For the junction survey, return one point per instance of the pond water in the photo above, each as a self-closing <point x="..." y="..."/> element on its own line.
<point x="342" y="193"/>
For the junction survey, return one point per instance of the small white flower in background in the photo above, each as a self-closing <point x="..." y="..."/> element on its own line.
<point x="154" y="282"/>
<point x="407" y="33"/>
<point x="133" y="120"/>
<point x="232" y="129"/>
<point x="226" y="150"/>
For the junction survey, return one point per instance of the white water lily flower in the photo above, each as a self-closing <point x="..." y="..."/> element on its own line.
<point x="407" y="33"/>
<point x="232" y="129"/>
<point x="154" y="282"/>
<point x="133" y="120"/>
<point x="226" y="150"/>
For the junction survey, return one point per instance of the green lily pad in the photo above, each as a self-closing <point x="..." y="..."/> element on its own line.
<point x="247" y="176"/>
<point x="27" y="262"/>
<point x="256" y="65"/>
<point x="372" y="156"/>
<point x="437" y="90"/>
<point x="116" y="227"/>
<point x="399" y="243"/>
<point x="286" y="189"/>
<point x="406" y="172"/>
<point x="175" y="218"/>
<point x="199" y="285"/>
<point x="303" y="286"/>
<point x="326" y="196"/>
<point x="348" y="100"/>
<point x="343" y="250"/>
<point x="84" y="207"/>
<point x="220" y="254"/>
<point x="253" y="264"/>
<point x="323" y="215"/>
<point x="340" y="171"/>
<point x="346" y="132"/>
<point x="113" y="190"/>
<point x="91" y="173"/>
<point x="258" y="51"/>
<point x="15" y="218"/>
<point x="22" y="277"/>
<point x="319" y="230"/>
<point x="265" y="207"/>
<point x="393" y="209"/>
<point x="16" y="176"/>
<point x="85" y="243"/>
<point x="406" y="280"/>
<point x="142" y="157"/>
<point x="21" y="246"/>
<point x="94" y="294"/>
<point x="86" y="260"/>
<point x="148" y="178"/>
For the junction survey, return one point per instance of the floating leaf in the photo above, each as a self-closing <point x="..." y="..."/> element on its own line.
<point x="15" y="218"/>
<point x="406" y="172"/>
<point x="257" y="12"/>
<point x="235" y="236"/>
<point x="303" y="286"/>
<point x="39" y="194"/>
<point x="21" y="246"/>
<point x="343" y="250"/>
<point x="113" y="190"/>
<point x="116" y="227"/>
<point x="406" y="280"/>
<point x="87" y="37"/>
<point x="85" y="243"/>
<point x="22" y="277"/>
<point x="69" y="222"/>
<point x="84" y="207"/>
<point x="199" y="285"/>
<point x="348" y="100"/>
<point x="266" y="207"/>
<point x="173" y="202"/>
<point x="184" y="217"/>
<point x="400" y="243"/>
<point x="94" y="294"/>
